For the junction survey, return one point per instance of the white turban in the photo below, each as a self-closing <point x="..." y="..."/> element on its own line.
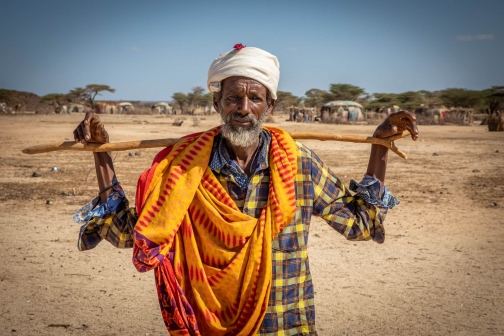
<point x="249" y="62"/>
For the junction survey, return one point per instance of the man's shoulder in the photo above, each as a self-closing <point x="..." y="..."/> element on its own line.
<point x="308" y="156"/>
<point x="303" y="151"/>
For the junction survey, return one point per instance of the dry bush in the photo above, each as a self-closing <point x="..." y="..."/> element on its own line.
<point x="196" y="121"/>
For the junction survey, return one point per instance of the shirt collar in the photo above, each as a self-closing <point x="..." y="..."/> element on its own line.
<point x="221" y="158"/>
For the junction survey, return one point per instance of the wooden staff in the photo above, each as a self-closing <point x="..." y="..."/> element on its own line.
<point x="130" y="145"/>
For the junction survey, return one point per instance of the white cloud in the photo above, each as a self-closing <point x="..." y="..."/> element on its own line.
<point x="468" y="38"/>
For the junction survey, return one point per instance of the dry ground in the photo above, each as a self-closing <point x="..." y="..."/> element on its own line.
<point x="440" y="271"/>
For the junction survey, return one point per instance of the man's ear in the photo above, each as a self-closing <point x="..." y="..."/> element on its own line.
<point x="271" y="105"/>
<point x="216" y="103"/>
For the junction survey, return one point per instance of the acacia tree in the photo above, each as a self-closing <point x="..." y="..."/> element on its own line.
<point x="181" y="99"/>
<point x="383" y="99"/>
<point x="410" y="99"/>
<point x="194" y="98"/>
<point x="206" y="100"/>
<point x="317" y="97"/>
<point x="346" y="92"/>
<point x="88" y="94"/>
<point x="285" y="99"/>
<point x="494" y="98"/>
<point x="461" y="97"/>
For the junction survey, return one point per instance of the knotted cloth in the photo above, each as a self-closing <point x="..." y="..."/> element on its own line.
<point x="249" y="62"/>
<point x="212" y="262"/>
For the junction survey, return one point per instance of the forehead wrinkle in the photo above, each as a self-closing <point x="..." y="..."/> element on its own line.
<point x="243" y="84"/>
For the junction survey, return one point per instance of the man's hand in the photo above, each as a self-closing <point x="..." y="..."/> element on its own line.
<point x="91" y="129"/>
<point x="396" y="123"/>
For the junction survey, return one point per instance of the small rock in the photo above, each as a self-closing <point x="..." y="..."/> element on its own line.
<point x="48" y="202"/>
<point x="475" y="171"/>
<point x="494" y="204"/>
<point x="54" y="169"/>
<point x="37" y="173"/>
<point x="131" y="154"/>
<point x="441" y="192"/>
<point x="435" y="154"/>
<point x="138" y="153"/>
<point x="497" y="151"/>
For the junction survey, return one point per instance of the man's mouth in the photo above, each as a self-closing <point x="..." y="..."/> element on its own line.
<point x="241" y="122"/>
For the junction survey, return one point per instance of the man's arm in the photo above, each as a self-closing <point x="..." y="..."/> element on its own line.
<point x="360" y="216"/>
<point x="108" y="216"/>
<point x="394" y="124"/>
<point x="91" y="129"/>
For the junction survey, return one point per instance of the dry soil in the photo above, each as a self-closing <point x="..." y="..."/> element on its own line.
<point x="440" y="271"/>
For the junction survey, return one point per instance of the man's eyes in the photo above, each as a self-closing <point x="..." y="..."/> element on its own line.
<point x="255" y="98"/>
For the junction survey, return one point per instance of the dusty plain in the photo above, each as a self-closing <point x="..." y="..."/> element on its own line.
<point x="439" y="272"/>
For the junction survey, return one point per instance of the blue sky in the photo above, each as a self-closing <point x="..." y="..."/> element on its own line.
<point x="147" y="50"/>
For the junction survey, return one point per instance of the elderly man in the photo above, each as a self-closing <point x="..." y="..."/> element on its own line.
<point x="223" y="216"/>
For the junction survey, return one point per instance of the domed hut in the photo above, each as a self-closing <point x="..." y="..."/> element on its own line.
<point x="342" y="111"/>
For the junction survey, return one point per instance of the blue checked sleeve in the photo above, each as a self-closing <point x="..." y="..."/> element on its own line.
<point x="370" y="190"/>
<point x="113" y="221"/>
<point x="356" y="217"/>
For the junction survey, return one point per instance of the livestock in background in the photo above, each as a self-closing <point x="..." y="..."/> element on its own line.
<point x="18" y="108"/>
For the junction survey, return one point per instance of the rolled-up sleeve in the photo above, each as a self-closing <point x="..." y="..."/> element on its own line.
<point x="356" y="217"/>
<point x="113" y="221"/>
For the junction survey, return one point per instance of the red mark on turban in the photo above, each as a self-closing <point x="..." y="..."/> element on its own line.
<point x="239" y="46"/>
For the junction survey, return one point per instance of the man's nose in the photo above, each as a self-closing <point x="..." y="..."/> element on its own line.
<point x="244" y="106"/>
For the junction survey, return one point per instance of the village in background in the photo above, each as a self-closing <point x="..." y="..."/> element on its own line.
<point x="341" y="104"/>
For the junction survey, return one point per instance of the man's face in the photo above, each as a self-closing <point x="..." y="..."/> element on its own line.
<point x="243" y="105"/>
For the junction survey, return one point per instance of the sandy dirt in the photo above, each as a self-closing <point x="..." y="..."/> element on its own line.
<point x="440" y="271"/>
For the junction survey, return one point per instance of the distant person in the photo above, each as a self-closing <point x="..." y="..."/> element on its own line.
<point x="310" y="115"/>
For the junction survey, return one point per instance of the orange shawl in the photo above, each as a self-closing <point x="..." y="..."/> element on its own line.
<point x="218" y="273"/>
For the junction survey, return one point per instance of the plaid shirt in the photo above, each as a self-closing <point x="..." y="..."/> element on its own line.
<point x="319" y="192"/>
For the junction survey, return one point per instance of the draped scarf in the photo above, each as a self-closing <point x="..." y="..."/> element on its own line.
<point x="212" y="263"/>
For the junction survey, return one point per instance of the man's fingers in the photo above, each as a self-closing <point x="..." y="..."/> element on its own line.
<point x="407" y="115"/>
<point x="80" y="133"/>
<point x="386" y="131"/>
<point x="89" y="116"/>
<point x="102" y="133"/>
<point x="86" y="131"/>
<point x="413" y="129"/>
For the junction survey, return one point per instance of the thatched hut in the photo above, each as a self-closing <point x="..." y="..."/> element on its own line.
<point x="342" y="111"/>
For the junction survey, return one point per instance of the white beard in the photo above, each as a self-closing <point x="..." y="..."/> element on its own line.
<point x="242" y="136"/>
